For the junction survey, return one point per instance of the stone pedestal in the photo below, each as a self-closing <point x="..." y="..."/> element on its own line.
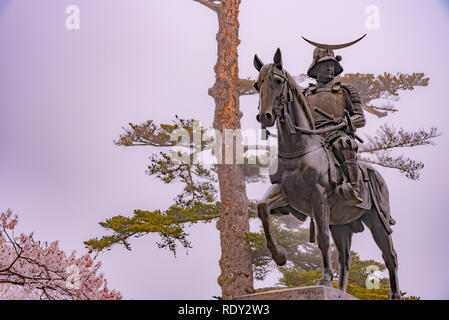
<point x="303" y="293"/>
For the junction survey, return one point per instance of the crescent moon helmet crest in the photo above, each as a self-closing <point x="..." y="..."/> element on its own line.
<point x="334" y="46"/>
<point x="324" y="52"/>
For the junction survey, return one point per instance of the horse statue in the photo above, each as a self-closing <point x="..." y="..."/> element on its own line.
<point x="302" y="184"/>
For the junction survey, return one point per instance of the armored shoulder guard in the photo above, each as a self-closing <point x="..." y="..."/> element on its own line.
<point x="304" y="90"/>
<point x="309" y="90"/>
<point x="355" y="97"/>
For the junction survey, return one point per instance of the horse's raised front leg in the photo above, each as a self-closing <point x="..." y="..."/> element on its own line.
<point x="321" y="215"/>
<point x="273" y="198"/>
<point x="342" y="235"/>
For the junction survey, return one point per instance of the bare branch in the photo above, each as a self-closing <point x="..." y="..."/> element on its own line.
<point x="213" y="5"/>
<point x="380" y="112"/>
<point x="246" y="87"/>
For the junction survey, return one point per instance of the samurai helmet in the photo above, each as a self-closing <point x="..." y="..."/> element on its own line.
<point x="325" y="52"/>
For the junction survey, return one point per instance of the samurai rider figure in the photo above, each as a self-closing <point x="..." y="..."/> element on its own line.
<point x="332" y="102"/>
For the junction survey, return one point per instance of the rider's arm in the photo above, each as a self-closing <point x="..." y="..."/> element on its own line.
<point x="358" y="119"/>
<point x="354" y="106"/>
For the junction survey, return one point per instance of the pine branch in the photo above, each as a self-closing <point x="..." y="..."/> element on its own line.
<point x="150" y="134"/>
<point x="385" y="86"/>
<point x="370" y="87"/>
<point x="406" y="166"/>
<point x="196" y="203"/>
<point x="378" y="149"/>
<point x="199" y="181"/>
<point x="388" y="137"/>
<point x="169" y="225"/>
<point x="146" y="134"/>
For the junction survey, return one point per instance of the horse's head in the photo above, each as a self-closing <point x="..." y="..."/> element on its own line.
<point x="271" y="86"/>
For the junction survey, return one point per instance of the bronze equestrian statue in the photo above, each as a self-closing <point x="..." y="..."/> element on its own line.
<point x="318" y="175"/>
<point x="330" y="101"/>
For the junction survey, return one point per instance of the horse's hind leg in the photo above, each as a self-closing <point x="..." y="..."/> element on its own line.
<point x="385" y="244"/>
<point x="342" y="235"/>
<point x="272" y="198"/>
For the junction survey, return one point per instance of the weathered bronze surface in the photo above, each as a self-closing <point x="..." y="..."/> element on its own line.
<point x="318" y="174"/>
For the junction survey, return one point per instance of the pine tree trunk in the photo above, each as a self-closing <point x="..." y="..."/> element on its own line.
<point x="236" y="270"/>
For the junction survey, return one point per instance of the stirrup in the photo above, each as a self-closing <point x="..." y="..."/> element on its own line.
<point x="349" y="192"/>
<point x="356" y="193"/>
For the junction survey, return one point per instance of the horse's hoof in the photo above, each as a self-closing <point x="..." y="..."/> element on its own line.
<point x="324" y="282"/>
<point x="280" y="258"/>
<point x="394" y="296"/>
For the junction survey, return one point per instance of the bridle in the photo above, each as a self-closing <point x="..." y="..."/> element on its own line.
<point x="283" y="114"/>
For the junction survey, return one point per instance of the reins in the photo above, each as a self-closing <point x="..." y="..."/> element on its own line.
<point x="283" y="114"/>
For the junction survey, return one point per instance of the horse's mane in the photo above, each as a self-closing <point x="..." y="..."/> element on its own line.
<point x="266" y="71"/>
<point x="302" y="100"/>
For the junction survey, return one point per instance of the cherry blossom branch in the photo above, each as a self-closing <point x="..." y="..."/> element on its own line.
<point x="32" y="270"/>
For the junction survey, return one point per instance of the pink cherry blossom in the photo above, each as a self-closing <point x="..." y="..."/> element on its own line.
<point x="31" y="269"/>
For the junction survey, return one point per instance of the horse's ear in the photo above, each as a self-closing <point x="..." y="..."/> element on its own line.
<point x="277" y="59"/>
<point x="258" y="64"/>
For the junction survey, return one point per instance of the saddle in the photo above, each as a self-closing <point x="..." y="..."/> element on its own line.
<point x="336" y="176"/>
<point x="370" y="188"/>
